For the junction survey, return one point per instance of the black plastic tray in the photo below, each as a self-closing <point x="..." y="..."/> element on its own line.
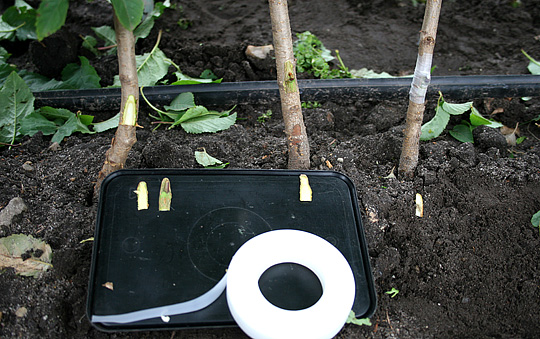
<point x="160" y="258"/>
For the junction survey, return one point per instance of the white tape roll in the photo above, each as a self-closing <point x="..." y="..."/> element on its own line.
<point x="260" y="319"/>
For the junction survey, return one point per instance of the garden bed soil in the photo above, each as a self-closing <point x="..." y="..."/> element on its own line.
<point x="467" y="269"/>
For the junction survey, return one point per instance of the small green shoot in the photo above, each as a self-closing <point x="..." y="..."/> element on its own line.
<point x="535" y="220"/>
<point x="351" y="319"/>
<point x="264" y="116"/>
<point x="311" y="104"/>
<point x="86" y="240"/>
<point x="393" y="292"/>
<point x="207" y="161"/>
<point x="515" y="3"/>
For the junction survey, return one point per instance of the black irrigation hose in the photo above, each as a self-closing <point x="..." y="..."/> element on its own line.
<point x="339" y="90"/>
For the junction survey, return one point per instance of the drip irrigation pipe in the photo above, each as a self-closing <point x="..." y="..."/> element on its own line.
<point x="264" y="92"/>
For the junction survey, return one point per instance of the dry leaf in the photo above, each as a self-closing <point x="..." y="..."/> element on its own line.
<point x="27" y="255"/>
<point x="497" y="110"/>
<point x="510" y="134"/>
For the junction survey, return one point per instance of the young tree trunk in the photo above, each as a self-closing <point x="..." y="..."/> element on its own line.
<point x="125" y="137"/>
<point x="417" y="94"/>
<point x="291" y="107"/>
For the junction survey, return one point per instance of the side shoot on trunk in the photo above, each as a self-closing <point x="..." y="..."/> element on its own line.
<point x="417" y="94"/>
<point x="295" y="130"/>
<point x="127" y="15"/>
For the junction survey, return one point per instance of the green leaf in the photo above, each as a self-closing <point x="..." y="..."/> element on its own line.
<point x="5" y="71"/>
<point x="90" y="43"/>
<point x="351" y="319"/>
<point x="144" y="29"/>
<point x="106" y="33"/>
<point x="208" y="74"/>
<point x="194" y="112"/>
<point x="7" y="32"/>
<point x="4" y="55"/>
<point x="368" y="73"/>
<point x="209" y="124"/>
<point x="455" y="109"/>
<point x="83" y="76"/>
<point x="37" y="82"/>
<point x="477" y="119"/>
<point x="51" y="15"/>
<point x="23" y="17"/>
<point x="60" y="115"/>
<point x="151" y="67"/>
<point x="535" y="220"/>
<point x="534" y="66"/>
<point x="16" y="102"/>
<point x="204" y="159"/>
<point x="72" y="125"/>
<point x="129" y="12"/>
<point x="462" y="133"/>
<point x="27" y="255"/>
<point x="435" y="126"/>
<point x="182" y="102"/>
<point x="36" y="122"/>
<point x="107" y="124"/>
<point x="183" y="79"/>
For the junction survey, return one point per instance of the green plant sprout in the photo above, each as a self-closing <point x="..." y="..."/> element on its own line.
<point x="393" y="292"/>
<point x="264" y="116"/>
<point x="311" y="104"/>
<point x="463" y="131"/>
<point x="535" y="220"/>
<point x="351" y="319"/>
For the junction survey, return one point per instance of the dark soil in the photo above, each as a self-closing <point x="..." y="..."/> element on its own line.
<point x="468" y="269"/>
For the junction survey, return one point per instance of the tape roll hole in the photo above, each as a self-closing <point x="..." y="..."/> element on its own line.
<point x="290" y="286"/>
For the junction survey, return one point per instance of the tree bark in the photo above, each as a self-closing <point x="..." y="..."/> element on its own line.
<point x="415" y="112"/>
<point x="125" y="136"/>
<point x="295" y="130"/>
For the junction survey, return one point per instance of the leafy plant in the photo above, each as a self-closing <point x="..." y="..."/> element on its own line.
<point x="312" y="57"/>
<point x="463" y="131"/>
<point x="193" y="118"/>
<point x="264" y="116"/>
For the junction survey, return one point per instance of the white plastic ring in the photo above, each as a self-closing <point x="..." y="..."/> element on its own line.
<point x="260" y="319"/>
